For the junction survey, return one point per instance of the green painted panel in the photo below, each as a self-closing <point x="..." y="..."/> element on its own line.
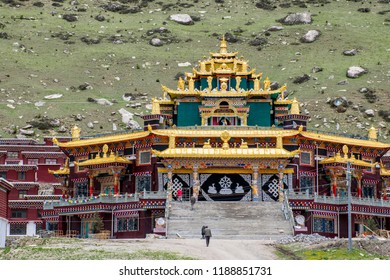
<point x="233" y="83"/>
<point x="243" y="83"/>
<point x="204" y="83"/>
<point x="250" y="84"/>
<point x="259" y="114"/>
<point x="188" y="114"/>
<point x="214" y="83"/>
<point x="197" y="84"/>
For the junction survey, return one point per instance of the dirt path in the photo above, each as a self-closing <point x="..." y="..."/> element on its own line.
<point x="219" y="249"/>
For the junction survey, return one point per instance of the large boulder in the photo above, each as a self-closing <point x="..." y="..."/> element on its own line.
<point x="156" y="42"/>
<point x="182" y="19"/>
<point x="297" y="18"/>
<point x="310" y="36"/>
<point x="126" y="115"/>
<point x="369" y="113"/>
<point x="355" y="72"/>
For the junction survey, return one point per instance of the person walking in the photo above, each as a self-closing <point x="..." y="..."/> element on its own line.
<point x="179" y="195"/>
<point x="193" y="200"/>
<point x="202" y="231"/>
<point x="207" y="234"/>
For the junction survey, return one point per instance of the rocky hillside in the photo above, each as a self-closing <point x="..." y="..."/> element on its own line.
<point x="97" y="63"/>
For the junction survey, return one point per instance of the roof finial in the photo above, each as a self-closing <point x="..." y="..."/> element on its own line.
<point x="373" y="134"/>
<point x="223" y="45"/>
<point x="75" y="133"/>
<point x="294" y="107"/>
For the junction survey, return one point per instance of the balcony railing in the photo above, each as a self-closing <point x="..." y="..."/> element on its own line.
<point x="81" y="200"/>
<point x="339" y="200"/>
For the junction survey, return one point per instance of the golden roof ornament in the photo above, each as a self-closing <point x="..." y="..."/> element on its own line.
<point x="105" y="150"/>
<point x="295" y="107"/>
<point x="180" y="83"/>
<point x="75" y="133"/>
<point x="155" y="107"/>
<point x="206" y="145"/>
<point x="225" y="136"/>
<point x="373" y="134"/>
<point x="223" y="46"/>
<point x="244" y="145"/>
<point x="345" y="151"/>
<point x="267" y="84"/>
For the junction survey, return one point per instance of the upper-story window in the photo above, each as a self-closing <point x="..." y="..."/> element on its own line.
<point x="22" y="193"/>
<point x="18" y="213"/>
<point x="307" y="158"/>
<point x="3" y="175"/>
<point x="22" y="175"/>
<point x="51" y="161"/>
<point x="12" y="154"/>
<point x="144" y="157"/>
<point x="32" y="161"/>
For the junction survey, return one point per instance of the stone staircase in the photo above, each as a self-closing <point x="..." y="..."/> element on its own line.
<point x="229" y="220"/>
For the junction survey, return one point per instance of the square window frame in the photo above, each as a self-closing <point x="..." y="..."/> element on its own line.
<point x="311" y="158"/>
<point x="139" y="152"/>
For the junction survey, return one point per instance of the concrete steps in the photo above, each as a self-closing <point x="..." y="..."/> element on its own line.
<point x="229" y="220"/>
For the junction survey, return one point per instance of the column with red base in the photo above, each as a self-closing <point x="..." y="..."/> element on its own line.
<point x="91" y="177"/>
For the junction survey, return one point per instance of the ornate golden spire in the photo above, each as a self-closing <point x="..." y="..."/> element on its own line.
<point x="295" y="107"/>
<point x="223" y="45"/>
<point x="155" y="106"/>
<point x="373" y="134"/>
<point x="75" y="133"/>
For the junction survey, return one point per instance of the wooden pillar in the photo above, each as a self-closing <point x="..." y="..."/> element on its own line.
<point x="255" y="176"/>
<point x="281" y="194"/>
<point x="91" y="177"/>
<point x="358" y="174"/>
<point x="170" y="183"/>
<point x="386" y="185"/>
<point x="116" y="180"/>
<point x="196" y="186"/>
<point x="334" y="173"/>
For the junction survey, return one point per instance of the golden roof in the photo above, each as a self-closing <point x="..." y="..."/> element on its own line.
<point x="337" y="159"/>
<point x="214" y="93"/>
<point x="225" y="153"/>
<point x="62" y="171"/>
<point x="102" y="140"/>
<point x="105" y="159"/>
<point x="344" y="140"/>
<point x="210" y="132"/>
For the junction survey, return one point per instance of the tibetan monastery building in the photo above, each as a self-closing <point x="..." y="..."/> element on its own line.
<point x="223" y="134"/>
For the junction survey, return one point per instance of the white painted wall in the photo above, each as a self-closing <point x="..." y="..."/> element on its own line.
<point x="31" y="229"/>
<point x="3" y="231"/>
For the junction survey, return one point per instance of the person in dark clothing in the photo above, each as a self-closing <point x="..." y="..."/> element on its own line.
<point x="207" y="234"/>
<point x="203" y="228"/>
<point x="193" y="200"/>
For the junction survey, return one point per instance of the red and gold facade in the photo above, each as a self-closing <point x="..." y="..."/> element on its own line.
<point x="223" y="134"/>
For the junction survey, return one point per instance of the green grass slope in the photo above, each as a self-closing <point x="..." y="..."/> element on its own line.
<point x="42" y="54"/>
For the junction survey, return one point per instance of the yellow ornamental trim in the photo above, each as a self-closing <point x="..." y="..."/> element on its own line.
<point x="343" y="140"/>
<point x="383" y="170"/>
<point x="62" y="171"/>
<point x="112" y="158"/>
<point x="240" y="133"/>
<point x="103" y="140"/>
<point x="338" y="159"/>
<point x="225" y="153"/>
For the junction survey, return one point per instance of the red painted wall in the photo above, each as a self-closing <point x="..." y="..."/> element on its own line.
<point x="3" y="203"/>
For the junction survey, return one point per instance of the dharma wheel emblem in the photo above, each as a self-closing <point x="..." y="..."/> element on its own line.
<point x="225" y="136"/>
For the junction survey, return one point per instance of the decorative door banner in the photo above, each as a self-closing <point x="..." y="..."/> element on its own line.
<point x="180" y="181"/>
<point x="224" y="187"/>
<point x="271" y="188"/>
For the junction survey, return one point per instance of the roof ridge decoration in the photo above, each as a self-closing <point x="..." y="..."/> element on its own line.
<point x="222" y="65"/>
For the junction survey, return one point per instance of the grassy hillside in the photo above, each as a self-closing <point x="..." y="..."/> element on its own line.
<point x="43" y="54"/>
